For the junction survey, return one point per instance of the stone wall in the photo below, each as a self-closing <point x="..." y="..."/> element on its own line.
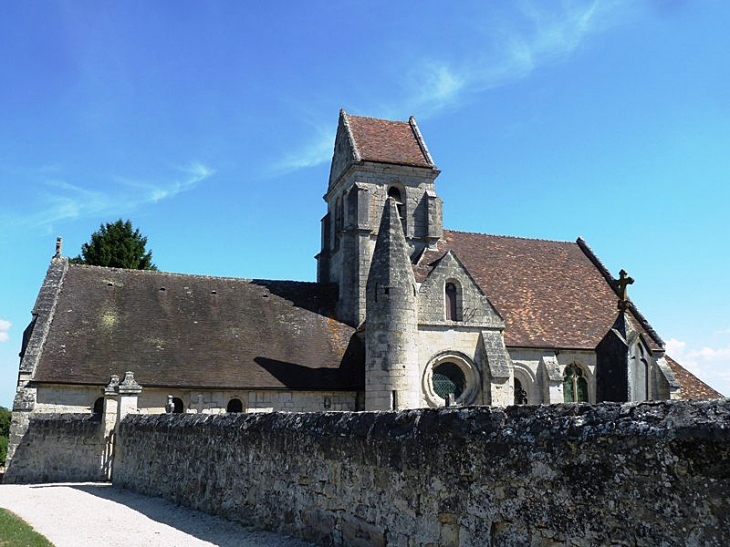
<point x="59" y="448"/>
<point x="634" y="474"/>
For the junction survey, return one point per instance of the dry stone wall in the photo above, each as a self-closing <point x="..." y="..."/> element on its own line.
<point x="611" y="474"/>
<point x="58" y="448"/>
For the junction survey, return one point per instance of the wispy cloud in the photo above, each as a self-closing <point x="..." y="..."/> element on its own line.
<point x="60" y="200"/>
<point x="316" y="151"/>
<point x="153" y="192"/>
<point x="501" y="51"/>
<point x="711" y="364"/>
<point x="537" y="36"/>
<point x="4" y="328"/>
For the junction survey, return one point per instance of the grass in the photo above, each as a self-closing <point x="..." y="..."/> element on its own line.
<point x="16" y="532"/>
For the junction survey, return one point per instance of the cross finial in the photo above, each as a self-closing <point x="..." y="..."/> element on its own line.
<point x="622" y="283"/>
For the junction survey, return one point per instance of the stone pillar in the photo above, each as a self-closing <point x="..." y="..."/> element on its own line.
<point x="553" y="378"/>
<point x="129" y="391"/>
<point x="111" y="412"/>
<point x="111" y="405"/>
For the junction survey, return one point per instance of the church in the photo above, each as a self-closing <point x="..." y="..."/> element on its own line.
<point x="404" y="314"/>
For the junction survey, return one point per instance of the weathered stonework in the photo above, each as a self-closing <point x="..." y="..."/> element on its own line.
<point x="59" y="448"/>
<point x="632" y="474"/>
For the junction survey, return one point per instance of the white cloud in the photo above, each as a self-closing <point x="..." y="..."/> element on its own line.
<point x="4" y="328"/>
<point x="712" y="365"/>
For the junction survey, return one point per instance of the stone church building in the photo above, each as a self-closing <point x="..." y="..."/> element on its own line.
<point x="404" y="314"/>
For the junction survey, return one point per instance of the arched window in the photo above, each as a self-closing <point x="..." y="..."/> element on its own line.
<point x="98" y="406"/>
<point x="400" y="204"/>
<point x="451" y="298"/>
<point x="520" y="393"/>
<point x="234" y="406"/>
<point x="575" y="385"/>
<point x="178" y="404"/>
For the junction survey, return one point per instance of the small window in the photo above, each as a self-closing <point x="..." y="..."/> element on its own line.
<point x="99" y="406"/>
<point x="178" y="405"/>
<point x="520" y="393"/>
<point x="234" y="406"/>
<point x="452" y="302"/>
<point x="448" y="379"/>
<point x="395" y="193"/>
<point x="575" y="385"/>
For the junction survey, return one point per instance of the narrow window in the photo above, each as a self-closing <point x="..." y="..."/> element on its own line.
<point x="234" y="406"/>
<point x="99" y="406"/>
<point x="452" y="308"/>
<point x="575" y="385"/>
<point x="395" y="193"/>
<point x="520" y="393"/>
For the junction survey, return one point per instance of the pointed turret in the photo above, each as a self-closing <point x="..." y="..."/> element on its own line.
<point x="391" y="373"/>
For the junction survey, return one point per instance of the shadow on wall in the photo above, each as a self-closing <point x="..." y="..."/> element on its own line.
<point x="59" y="448"/>
<point x="350" y="375"/>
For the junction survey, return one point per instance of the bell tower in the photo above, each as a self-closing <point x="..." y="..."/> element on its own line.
<point x="374" y="160"/>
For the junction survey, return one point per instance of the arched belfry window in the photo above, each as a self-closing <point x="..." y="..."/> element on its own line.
<point x="397" y="195"/>
<point x="451" y="302"/>
<point x="575" y="385"/>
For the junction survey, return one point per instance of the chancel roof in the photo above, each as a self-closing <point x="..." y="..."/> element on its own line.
<point x="386" y="141"/>
<point x="692" y="387"/>
<point x="198" y="331"/>
<point x="550" y="293"/>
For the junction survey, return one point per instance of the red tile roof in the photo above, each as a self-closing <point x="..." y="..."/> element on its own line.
<point x="550" y="293"/>
<point x="692" y="387"/>
<point x="387" y="141"/>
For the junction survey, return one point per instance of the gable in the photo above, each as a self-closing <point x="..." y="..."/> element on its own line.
<point x="474" y="307"/>
<point x="550" y="294"/>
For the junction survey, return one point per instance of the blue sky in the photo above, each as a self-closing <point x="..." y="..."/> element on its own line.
<point x="210" y="125"/>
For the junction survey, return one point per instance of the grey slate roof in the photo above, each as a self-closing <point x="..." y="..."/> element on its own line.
<point x="197" y="331"/>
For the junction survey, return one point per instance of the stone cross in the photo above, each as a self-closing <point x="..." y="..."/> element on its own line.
<point x="622" y="283"/>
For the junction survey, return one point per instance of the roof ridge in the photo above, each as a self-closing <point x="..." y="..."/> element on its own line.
<point x="404" y="122"/>
<point x="198" y="276"/>
<point x="511" y="237"/>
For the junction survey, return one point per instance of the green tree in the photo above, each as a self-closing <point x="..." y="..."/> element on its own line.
<point x="116" y="245"/>
<point x="5" y="417"/>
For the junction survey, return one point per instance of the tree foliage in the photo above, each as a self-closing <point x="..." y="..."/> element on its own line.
<point x="5" y="417"/>
<point x="117" y="245"/>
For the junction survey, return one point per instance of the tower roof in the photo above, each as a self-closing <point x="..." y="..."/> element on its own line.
<point x="386" y="141"/>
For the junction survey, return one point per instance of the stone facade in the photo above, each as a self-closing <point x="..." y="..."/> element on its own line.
<point x="632" y="474"/>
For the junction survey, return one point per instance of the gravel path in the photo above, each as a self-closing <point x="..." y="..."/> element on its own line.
<point x="94" y="514"/>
